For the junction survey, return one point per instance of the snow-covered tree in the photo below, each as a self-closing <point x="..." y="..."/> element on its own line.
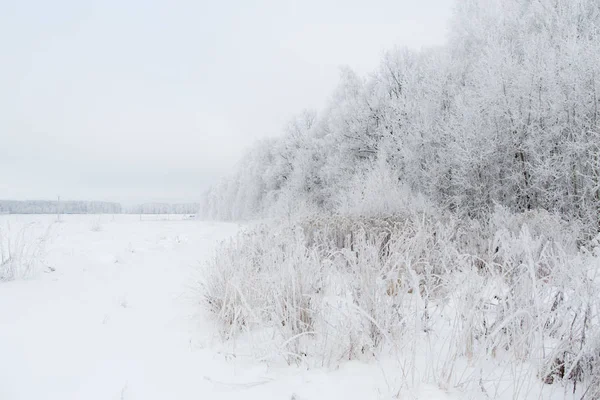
<point x="506" y="113"/>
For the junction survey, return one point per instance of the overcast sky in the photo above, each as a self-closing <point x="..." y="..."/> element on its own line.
<point x="143" y="100"/>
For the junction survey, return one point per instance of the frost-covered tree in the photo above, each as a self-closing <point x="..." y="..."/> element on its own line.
<point x="506" y="113"/>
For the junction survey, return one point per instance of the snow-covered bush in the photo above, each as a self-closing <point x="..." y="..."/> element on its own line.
<point x="21" y="251"/>
<point x="447" y="298"/>
<point x="380" y="191"/>
<point x="96" y="225"/>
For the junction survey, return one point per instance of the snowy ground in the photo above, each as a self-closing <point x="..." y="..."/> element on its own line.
<point x="119" y="318"/>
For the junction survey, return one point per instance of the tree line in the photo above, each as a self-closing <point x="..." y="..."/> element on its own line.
<point x="92" y="207"/>
<point x="507" y="112"/>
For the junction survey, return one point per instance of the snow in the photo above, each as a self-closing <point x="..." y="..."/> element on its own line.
<point x="115" y="314"/>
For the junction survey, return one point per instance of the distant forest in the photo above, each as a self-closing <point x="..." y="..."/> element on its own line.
<point x="92" y="207"/>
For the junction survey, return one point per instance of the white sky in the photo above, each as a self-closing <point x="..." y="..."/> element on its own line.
<point x="143" y="100"/>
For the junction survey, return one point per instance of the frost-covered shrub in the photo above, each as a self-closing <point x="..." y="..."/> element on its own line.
<point x="380" y="191"/>
<point x="336" y="288"/>
<point x="21" y="251"/>
<point x="323" y="290"/>
<point x="541" y="224"/>
<point x="96" y="225"/>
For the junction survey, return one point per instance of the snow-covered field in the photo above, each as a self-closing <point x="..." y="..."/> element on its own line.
<point x="114" y="313"/>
